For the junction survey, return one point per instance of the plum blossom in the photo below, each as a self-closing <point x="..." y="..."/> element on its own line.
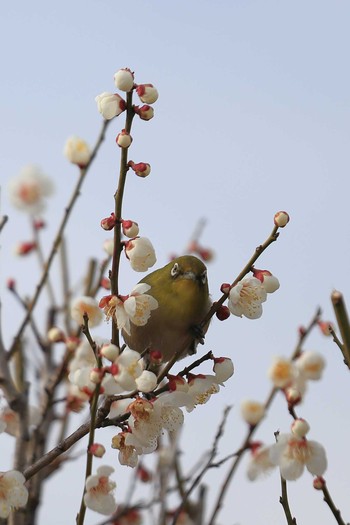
<point x="135" y="307"/>
<point x="131" y="375"/>
<point x="269" y="281"/>
<point x="310" y="365"/>
<point x="223" y="369"/>
<point x="282" y="372"/>
<point x="88" y="305"/>
<point x="13" y="493"/>
<point x="252" y="411"/>
<point x="260" y="462"/>
<point x="77" y="151"/>
<point x="246" y="298"/>
<point x="99" y="491"/>
<point x="293" y="453"/>
<point x="29" y="190"/>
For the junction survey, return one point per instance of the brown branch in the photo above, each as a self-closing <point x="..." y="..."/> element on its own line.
<point x="336" y="512"/>
<point x="58" y="239"/>
<point x="245" y="446"/>
<point x="285" y="504"/>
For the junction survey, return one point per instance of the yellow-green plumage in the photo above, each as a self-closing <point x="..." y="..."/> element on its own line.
<point x="181" y="289"/>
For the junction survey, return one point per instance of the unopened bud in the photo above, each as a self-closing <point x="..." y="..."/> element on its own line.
<point x="105" y="283"/>
<point x="326" y="327"/>
<point x="142" y="169"/>
<point x="39" y="224"/>
<point x="96" y="375"/>
<point x="155" y="357"/>
<point x="124" y="79"/>
<point x="300" y="428"/>
<point x="147" y="93"/>
<point x="108" y="223"/>
<point x="281" y="219"/>
<point x="319" y="483"/>
<point x="11" y="284"/>
<point x="55" y="335"/>
<point x="72" y="343"/>
<point x="97" y="450"/>
<point x="124" y="139"/>
<point x="110" y="352"/>
<point x="225" y="288"/>
<point x="145" y="112"/>
<point x="24" y="248"/>
<point x="130" y="228"/>
<point x="143" y="474"/>
<point x="293" y="396"/>
<point x="223" y="313"/>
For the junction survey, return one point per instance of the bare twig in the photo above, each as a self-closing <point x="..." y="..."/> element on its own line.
<point x="343" y="323"/>
<point x="285" y="504"/>
<point x="336" y="512"/>
<point x="245" y="446"/>
<point x="58" y="238"/>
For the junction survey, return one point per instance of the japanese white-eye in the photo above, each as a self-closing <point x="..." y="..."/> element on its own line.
<point x="181" y="289"/>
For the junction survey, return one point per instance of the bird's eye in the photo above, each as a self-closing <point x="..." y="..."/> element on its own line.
<point x="175" y="270"/>
<point x="204" y="277"/>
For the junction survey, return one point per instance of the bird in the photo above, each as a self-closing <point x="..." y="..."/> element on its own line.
<point x="181" y="290"/>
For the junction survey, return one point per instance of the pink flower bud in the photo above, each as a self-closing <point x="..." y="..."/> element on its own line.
<point x="108" y="223"/>
<point x="147" y="93"/>
<point x="325" y="327"/>
<point x="155" y="357"/>
<point x="11" y="284"/>
<point x="225" y="288"/>
<point x="319" y="483"/>
<point x="143" y="474"/>
<point x="124" y="139"/>
<point x="269" y="281"/>
<point x="105" y="283"/>
<point x="124" y="79"/>
<point x="223" y="313"/>
<point x="39" y="224"/>
<point x="97" y="450"/>
<point x="281" y="219"/>
<point x="130" y="228"/>
<point x="142" y="169"/>
<point x="24" y="248"/>
<point x="145" y="112"/>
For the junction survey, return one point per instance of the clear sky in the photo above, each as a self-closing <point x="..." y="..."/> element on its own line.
<point x="253" y="117"/>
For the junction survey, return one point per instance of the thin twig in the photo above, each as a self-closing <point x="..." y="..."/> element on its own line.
<point x="336" y="512"/>
<point x="285" y="504"/>
<point x="58" y="238"/>
<point x="245" y="446"/>
<point x="3" y="221"/>
<point x="207" y="466"/>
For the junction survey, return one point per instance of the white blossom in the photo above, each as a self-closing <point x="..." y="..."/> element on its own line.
<point x="77" y="151"/>
<point x="13" y="493"/>
<point x="99" y="491"/>
<point x="246" y="298"/>
<point x="29" y="189"/>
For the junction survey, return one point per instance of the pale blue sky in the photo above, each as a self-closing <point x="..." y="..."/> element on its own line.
<point x="253" y="116"/>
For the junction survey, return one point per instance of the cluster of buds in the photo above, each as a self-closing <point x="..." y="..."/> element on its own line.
<point x="206" y="254"/>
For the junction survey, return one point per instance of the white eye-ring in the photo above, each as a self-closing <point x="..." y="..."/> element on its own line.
<point x="204" y="277"/>
<point x="175" y="270"/>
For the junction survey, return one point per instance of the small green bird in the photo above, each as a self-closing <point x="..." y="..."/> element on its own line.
<point x="181" y="289"/>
